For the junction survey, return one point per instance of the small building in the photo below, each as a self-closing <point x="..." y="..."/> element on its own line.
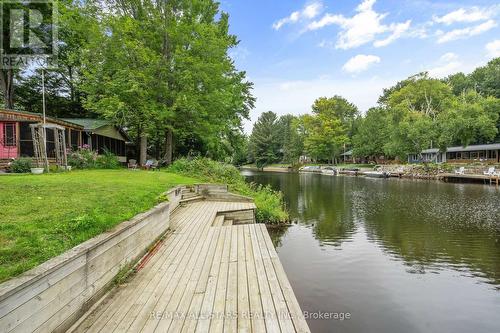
<point x="16" y="137"/>
<point x="487" y="153"/>
<point x="347" y="157"/>
<point x="101" y="136"/>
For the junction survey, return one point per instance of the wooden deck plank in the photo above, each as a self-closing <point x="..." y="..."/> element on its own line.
<point x="296" y="313"/>
<point x="205" y="278"/>
<point x="280" y="305"/>
<point x="243" y="302"/>
<point x="126" y="292"/>
<point x="256" y="313"/>
<point x="205" y="289"/>
<point x="231" y="311"/>
<point x="219" y="305"/>
<point x="198" y="278"/>
<point x="168" y="297"/>
<point x="131" y="306"/>
<point x="270" y="318"/>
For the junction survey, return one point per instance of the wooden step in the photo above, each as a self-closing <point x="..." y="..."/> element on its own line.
<point x="189" y="195"/>
<point x="219" y="220"/>
<point x="227" y="222"/>
<point x="191" y="200"/>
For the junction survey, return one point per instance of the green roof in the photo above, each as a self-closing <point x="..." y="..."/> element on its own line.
<point x="88" y="124"/>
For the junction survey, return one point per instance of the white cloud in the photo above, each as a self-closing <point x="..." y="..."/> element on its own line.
<point x="465" y="32"/>
<point x="493" y="48"/>
<point x="449" y="63"/>
<point x="360" y="63"/>
<point x="362" y="28"/>
<point x="310" y="11"/>
<point x="462" y="15"/>
<point x="397" y="29"/>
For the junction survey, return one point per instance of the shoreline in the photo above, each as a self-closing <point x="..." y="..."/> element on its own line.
<point x="441" y="177"/>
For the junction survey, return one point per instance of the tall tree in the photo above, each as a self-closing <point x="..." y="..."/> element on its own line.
<point x="372" y="133"/>
<point x="265" y="140"/>
<point x="339" y="108"/>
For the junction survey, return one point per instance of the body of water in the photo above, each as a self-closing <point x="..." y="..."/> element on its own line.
<point x="392" y="255"/>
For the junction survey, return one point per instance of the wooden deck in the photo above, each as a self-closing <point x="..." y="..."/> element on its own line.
<point x="205" y="277"/>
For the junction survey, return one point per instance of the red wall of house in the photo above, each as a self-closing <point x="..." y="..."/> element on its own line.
<point x="7" y="152"/>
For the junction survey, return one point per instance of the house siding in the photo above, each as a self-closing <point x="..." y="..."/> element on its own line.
<point x="6" y="151"/>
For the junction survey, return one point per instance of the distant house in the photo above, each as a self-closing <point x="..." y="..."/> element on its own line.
<point x="101" y="135"/>
<point x="15" y="134"/>
<point x="347" y="157"/>
<point x="16" y="138"/>
<point x="488" y="153"/>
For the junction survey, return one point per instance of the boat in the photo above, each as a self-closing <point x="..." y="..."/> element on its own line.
<point x="377" y="174"/>
<point x="329" y="172"/>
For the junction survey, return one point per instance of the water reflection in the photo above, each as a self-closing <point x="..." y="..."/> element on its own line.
<point x="379" y="236"/>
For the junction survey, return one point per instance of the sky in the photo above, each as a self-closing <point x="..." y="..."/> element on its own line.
<point x="297" y="51"/>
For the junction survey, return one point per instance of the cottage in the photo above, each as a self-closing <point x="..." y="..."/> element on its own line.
<point x="487" y="153"/>
<point x="16" y="136"/>
<point x="101" y="135"/>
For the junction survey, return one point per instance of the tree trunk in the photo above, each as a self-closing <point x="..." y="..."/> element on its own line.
<point x="143" y="149"/>
<point x="7" y="85"/>
<point x="169" y="146"/>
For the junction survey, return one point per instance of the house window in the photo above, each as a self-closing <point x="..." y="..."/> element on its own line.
<point x="9" y="135"/>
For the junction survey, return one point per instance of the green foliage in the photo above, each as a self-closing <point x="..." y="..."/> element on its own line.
<point x="372" y="133"/>
<point x="327" y="131"/>
<point x="21" y="165"/>
<point x="265" y="140"/>
<point x="85" y="158"/>
<point x="159" y="72"/>
<point x="270" y="203"/>
<point x="107" y="161"/>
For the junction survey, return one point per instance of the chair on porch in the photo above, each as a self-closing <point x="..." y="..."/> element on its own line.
<point x="132" y="164"/>
<point x="490" y="172"/>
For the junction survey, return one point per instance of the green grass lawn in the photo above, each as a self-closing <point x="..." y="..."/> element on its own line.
<point x="43" y="216"/>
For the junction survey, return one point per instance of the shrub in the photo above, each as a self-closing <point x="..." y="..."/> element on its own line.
<point x="270" y="203"/>
<point x="107" y="161"/>
<point x="21" y="165"/>
<point x="85" y="158"/>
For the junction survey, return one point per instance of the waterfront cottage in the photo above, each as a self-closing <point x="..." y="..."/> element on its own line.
<point x="487" y="153"/>
<point x="16" y="137"/>
<point x="101" y="135"/>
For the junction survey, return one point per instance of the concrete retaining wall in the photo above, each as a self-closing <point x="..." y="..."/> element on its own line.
<point x="52" y="296"/>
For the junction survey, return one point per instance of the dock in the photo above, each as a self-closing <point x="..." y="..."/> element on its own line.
<point x="209" y="274"/>
<point x="471" y="177"/>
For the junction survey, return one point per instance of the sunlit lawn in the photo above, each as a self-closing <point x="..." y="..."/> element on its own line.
<point x="42" y="216"/>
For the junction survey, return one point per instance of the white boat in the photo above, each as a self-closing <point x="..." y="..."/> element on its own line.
<point x="329" y="172"/>
<point x="377" y="174"/>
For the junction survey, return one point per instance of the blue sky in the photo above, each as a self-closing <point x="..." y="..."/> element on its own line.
<point x="296" y="51"/>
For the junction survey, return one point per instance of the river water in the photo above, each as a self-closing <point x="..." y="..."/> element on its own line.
<point x="390" y="255"/>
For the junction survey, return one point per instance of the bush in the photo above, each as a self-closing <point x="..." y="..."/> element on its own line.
<point x="21" y="165"/>
<point x="107" y="161"/>
<point x="85" y="158"/>
<point x="270" y="203"/>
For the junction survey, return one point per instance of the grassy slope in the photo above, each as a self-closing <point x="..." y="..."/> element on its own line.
<point x="42" y="216"/>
